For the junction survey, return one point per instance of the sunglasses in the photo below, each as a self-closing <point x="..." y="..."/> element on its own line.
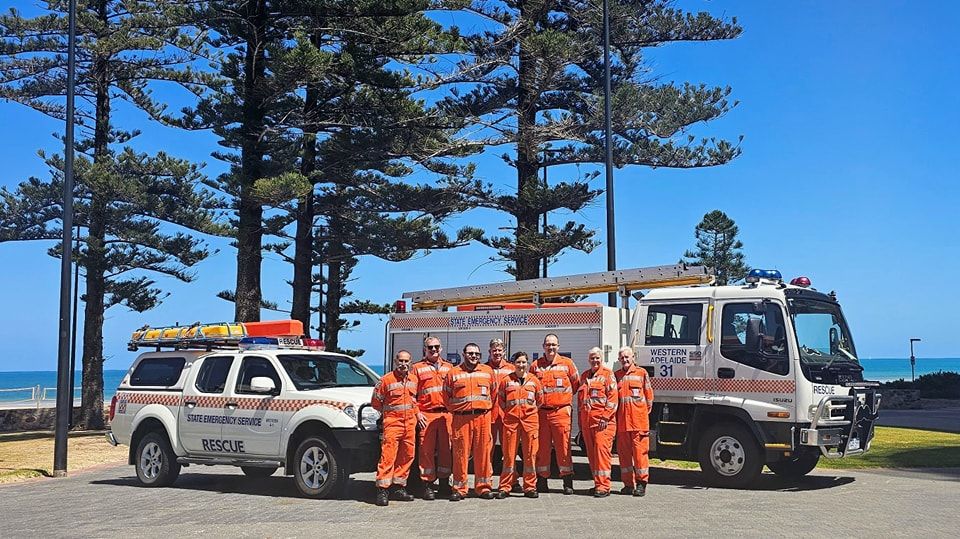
<point x="432" y="347"/>
<point x="472" y="354"/>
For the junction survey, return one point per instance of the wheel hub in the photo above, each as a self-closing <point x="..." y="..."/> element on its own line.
<point x="314" y="467"/>
<point x="727" y="455"/>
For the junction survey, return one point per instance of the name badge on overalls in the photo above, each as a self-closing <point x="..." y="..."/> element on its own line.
<point x="636" y="391"/>
<point x="559" y="382"/>
<point x="483" y="390"/>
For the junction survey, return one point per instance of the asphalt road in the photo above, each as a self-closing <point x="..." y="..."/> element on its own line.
<point x="943" y="419"/>
<point x="221" y="502"/>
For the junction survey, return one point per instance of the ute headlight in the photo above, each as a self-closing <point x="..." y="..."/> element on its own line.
<point x="351" y="412"/>
<point x="369" y="418"/>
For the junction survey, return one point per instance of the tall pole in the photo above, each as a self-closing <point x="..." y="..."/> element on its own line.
<point x="546" y="185"/>
<point x="608" y="143"/>
<point x="73" y="322"/>
<point x="913" y="360"/>
<point x="64" y="396"/>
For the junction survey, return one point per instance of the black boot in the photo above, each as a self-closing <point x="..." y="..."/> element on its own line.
<point x="568" y="484"/>
<point x="383" y="497"/>
<point x="531" y="494"/>
<point x="400" y="494"/>
<point x="627" y="490"/>
<point x="455" y="497"/>
<point x="444" y="487"/>
<point x="429" y="491"/>
<point x="542" y="484"/>
<point x="641" y="490"/>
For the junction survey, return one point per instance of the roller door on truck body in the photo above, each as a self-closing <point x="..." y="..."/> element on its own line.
<point x="411" y="341"/>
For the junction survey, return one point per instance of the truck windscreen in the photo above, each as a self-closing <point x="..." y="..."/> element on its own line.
<point x="823" y="337"/>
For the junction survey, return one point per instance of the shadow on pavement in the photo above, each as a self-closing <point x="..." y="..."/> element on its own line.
<point x="693" y="479"/>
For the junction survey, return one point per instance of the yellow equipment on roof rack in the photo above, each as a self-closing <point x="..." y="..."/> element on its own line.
<point x="196" y="335"/>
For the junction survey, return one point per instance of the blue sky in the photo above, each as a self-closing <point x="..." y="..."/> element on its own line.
<point x="846" y="176"/>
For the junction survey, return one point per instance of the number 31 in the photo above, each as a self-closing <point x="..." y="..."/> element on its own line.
<point x="666" y="370"/>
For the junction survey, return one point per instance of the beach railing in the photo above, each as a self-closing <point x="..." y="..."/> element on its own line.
<point x="38" y="396"/>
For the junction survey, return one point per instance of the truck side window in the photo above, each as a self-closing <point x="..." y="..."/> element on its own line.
<point x="158" y="371"/>
<point x="674" y="324"/>
<point x="772" y="356"/>
<point x="253" y="367"/>
<point x="212" y="377"/>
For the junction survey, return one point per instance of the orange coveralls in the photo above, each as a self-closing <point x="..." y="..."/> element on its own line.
<point x="598" y="400"/>
<point x="469" y="396"/>
<point x="395" y="397"/>
<point x="633" y="425"/>
<point x="519" y="399"/>
<point x="559" y="380"/>
<point x="435" y="459"/>
<point x="501" y="373"/>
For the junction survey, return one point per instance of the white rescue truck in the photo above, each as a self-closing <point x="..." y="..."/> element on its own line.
<point x="763" y="373"/>
<point x="252" y="395"/>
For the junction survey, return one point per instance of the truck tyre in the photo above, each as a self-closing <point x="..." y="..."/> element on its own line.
<point x="155" y="462"/>
<point x="318" y="469"/>
<point x="795" y="467"/>
<point x="729" y="456"/>
<point x="254" y="471"/>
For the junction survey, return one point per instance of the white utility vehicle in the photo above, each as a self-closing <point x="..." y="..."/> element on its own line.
<point x="219" y="396"/>
<point x="761" y="373"/>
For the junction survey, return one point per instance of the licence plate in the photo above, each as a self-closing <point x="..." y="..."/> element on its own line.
<point x="853" y="444"/>
<point x="288" y="341"/>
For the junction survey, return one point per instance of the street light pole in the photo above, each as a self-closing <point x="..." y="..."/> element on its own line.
<point x="546" y="257"/>
<point x="913" y="360"/>
<point x="64" y="396"/>
<point x="608" y="143"/>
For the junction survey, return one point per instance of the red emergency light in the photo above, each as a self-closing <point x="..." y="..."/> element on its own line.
<point x="314" y="344"/>
<point x="801" y="281"/>
<point x="400" y="306"/>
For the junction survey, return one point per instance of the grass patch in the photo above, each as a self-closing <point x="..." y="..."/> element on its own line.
<point x="26" y="456"/>
<point x="904" y="448"/>
<point x="891" y="448"/>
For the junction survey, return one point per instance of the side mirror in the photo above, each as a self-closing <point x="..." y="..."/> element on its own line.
<point x="262" y="384"/>
<point x="754" y="339"/>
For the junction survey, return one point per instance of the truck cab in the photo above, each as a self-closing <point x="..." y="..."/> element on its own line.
<point x="764" y="373"/>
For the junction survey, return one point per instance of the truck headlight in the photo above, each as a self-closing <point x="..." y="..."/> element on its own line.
<point x="369" y="418"/>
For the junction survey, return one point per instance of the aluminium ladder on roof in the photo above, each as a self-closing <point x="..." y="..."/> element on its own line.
<point x="537" y="290"/>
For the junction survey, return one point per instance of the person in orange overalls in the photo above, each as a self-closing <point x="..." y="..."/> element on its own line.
<point x="469" y="389"/>
<point x="501" y="370"/>
<point x="633" y="424"/>
<point x="598" y="413"/>
<point x="520" y="395"/>
<point x="433" y="419"/>
<point x="395" y="397"/>
<point x="559" y="379"/>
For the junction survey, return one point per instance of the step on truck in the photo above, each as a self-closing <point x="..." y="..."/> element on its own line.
<point x="256" y="396"/>
<point x="764" y="373"/>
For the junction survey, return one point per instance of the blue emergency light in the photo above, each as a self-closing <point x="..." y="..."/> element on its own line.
<point x="756" y="274"/>
<point x="259" y="343"/>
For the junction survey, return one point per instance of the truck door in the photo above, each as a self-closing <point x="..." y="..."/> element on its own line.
<point x="672" y="348"/>
<point x="200" y="419"/>
<point x="751" y="364"/>
<point x="254" y="420"/>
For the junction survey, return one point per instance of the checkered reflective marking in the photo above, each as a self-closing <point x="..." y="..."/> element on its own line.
<point x="409" y="323"/>
<point x="564" y="319"/>
<point x="724" y="385"/>
<point x="251" y="403"/>
<point x="150" y="398"/>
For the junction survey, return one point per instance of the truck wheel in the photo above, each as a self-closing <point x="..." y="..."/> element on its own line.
<point x="318" y="470"/>
<point x="795" y="467"/>
<point x="729" y="456"/>
<point x="156" y="463"/>
<point x="254" y="471"/>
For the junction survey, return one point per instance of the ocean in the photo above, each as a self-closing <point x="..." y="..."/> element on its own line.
<point x="19" y="386"/>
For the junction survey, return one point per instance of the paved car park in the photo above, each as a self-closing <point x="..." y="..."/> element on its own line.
<point x="221" y="502"/>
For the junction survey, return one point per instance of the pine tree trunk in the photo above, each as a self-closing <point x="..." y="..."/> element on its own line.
<point x="303" y="243"/>
<point x="334" y="288"/>
<point x="91" y="400"/>
<point x="527" y="259"/>
<point x="250" y="230"/>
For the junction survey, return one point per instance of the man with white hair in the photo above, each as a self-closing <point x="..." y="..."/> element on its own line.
<point x="633" y="423"/>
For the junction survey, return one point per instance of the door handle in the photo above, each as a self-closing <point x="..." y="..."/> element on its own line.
<point x="726" y="373"/>
<point x="232" y="405"/>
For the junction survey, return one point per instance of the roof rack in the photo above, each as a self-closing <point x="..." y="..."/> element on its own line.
<point x="210" y="335"/>
<point x="537" y="290"/>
